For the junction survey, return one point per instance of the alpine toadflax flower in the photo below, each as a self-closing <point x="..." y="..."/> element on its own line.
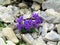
<point x="33" y="22"/>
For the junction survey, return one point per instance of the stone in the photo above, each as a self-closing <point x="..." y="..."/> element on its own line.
<point x="54" y="4"/>
<point x="8" y="14"/>
<point x="48" y="18"/>
<point x="10" y="42"/>
<point x="51" y="43"/>
<point x="7" y="18"/>
<point x="2" y="41"/>
<point x="58" y="28"/>
<point x="9" y="34"/>
<point x="57" y="20"/>
<point x="27" y="38"/>
<point x="35" y="6"/>
<point x="44" y="29"/>
<point x="22" y="5"/>
<point x="39" y="1"/>
<point x="35" y="35"/>
<point x="52" y="36"/>
<point x="52" y="12"/>
<point x="39" y="41"/>
<point x="27" y="15"/>
<point x="51" y="27"/>
<point x="58" y="43"/>
<point x="4" y="2"/>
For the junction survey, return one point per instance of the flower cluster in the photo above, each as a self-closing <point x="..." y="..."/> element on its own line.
<point x="33" y="22"/>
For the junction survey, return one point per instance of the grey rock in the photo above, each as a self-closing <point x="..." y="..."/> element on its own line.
<point x="54" y="4"/>
<point x="51" y="43"/>
<point x="58" y="28"/>
<point x="9" y="34"/>
<point x="27" y="38"/>
<point x="52" y="36"/>
<point x="57" y="20"/>
<point x="40" y="1"/>
<point x="35" y="35"/>
<point x="3" y="2"/>
<point x="58" y="43"/>
<point x="2" y="41"/>
<point x="39" y="41"/>
<point x="35" y="6"/>
<point x="44" y="29"/>
<point x="46" y="17"/>
<point x="22" y="5"/>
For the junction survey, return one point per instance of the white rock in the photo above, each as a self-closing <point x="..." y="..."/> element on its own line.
<point x="3" y="2"/>
<point x="58" y="43"/>
<point x="27" y="38"/>
<point x="35" y="6"/>
<point x="27" y="15"/>
<point x="39" y="41"/>
<point x="10" y="42"/>
<point x="7" y="14"/>
<point x="51" y="43"/>
<point x="52" y="36"/>
<point x="39" y="1"/>
<point x="57" y="20"/>
<point x="52" y="12"/>
<point x="35" y="35"/>
<point x="58" y="28"/>
<point x="51" y="27"/>
<point x="46" y="17"/>
<point x="2" y="42"/>
<point x="22" y="5"/>
<point x="54" y="4"/>
<point x="44" y="29"/>
<point x="7" y="18"/>
<point x="10" y="35"/>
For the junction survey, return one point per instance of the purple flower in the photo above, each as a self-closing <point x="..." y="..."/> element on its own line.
<point x="35" y="25"/>
<point x="28" y="24"/>
<point x="20" y="19"/>
<point x="19" y="26"/>
<point x="35" y="15"/>
<point x="38" y="21"/>
<point x="37" y="18"/>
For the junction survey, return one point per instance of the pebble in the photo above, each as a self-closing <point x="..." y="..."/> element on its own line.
<point x="35" y="6"/>
<point x="35" y="35"/>
<point x="22" y="5"/>
<point x="4" y="2"/>
<point x="2" y="41"/>
<point x="52" y="12"/>
<point x="27" y="38"/>
<point x="46" y="17"/>
<point x="39" y="1"/>
<point x="44" y="28"/>
<point x="58" y="28"/>
<point x="51" y="43"/>
<point x="39" y="41"/>
<point x="52" y="36"/>
<point x="9" y="34"/>
<point x="57" y="20"/>
<point x="54" y="4"/>
<point x="58" y="43"/>
<point x="10" y="42"/>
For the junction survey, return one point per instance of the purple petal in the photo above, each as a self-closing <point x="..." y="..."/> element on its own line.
<point x="35" y="15"/>
<point x="28" y="24"/>
<point x="20" y="19"/>
<point x="19" y="26"/>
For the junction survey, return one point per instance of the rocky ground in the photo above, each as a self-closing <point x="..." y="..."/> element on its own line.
<point x="48" y="32"/>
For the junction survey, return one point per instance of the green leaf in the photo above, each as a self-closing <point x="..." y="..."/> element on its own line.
<point x="32" y="30"/>
<point x="2" y="24"/>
